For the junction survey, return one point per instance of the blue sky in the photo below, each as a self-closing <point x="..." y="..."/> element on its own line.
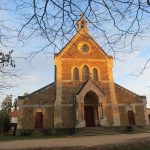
<point x="40" y="71"/>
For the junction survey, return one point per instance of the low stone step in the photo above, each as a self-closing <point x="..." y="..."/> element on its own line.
<point x="94" y="131"/>
<point x="110" y="130"/>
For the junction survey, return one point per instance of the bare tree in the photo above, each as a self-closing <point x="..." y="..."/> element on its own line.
<point x="117" y="22"/>
<point x="7" y="63"/>
<point x="57" y="19"/>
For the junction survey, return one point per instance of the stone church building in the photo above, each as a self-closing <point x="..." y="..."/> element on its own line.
<point x="83" y="94"/>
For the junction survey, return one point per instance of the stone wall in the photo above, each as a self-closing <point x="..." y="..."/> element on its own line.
<point x="27" y="119"/>
<point x="42" y="99"/>
<point x="123" y="116"/>
<point x="128" y="98"/>
<point x="46" y="95"/>
<point x="139" y="115"/>
<point x="74" y="50"/>
<point x="72" y="56"/>
<point x="125" y="96"/>
<point x="67" y="116"/>
<point x="109" y="115"/>
<point x="105" y="88"/>
<point x="69" y="90"/>
<point x="48" y="118"/>
<point x="68" y="65"/>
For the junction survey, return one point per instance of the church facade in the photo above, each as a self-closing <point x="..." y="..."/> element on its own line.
<point x="84" y="93"/>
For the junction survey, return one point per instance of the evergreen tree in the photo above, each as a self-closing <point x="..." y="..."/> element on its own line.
<point x="5" y="114"/>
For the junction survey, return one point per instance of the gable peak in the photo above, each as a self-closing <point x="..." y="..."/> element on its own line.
<point x="82" y="24"/>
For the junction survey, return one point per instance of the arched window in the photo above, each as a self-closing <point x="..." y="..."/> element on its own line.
<point x="85" y="73"/>
<point x="75" y="73"/>
<point x="95" y="74"/>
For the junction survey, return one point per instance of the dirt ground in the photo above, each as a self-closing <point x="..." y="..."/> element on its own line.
<point x="80" y="141"/>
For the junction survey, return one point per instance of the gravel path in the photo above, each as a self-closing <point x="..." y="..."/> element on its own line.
<point x="73" y="141"/>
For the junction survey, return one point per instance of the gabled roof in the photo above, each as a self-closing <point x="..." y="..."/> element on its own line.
<point x="37" y="91"/>
<point x="80" y="89"/>
<point x="70" y="41"/>
<point x="84" y="85"/>
<point x="85" y="34"/>
<point x="125" y="89"/>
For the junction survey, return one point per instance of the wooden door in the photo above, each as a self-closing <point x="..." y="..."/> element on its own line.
<point x="131" y="118"/>
<point x="39" y="120"/>
<point x="89" y="116"/>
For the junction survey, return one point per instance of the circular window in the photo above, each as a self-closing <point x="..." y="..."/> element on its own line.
<point x="85" y="48"/>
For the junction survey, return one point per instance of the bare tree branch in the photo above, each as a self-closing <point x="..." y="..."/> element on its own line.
<point x="118" y="22"/>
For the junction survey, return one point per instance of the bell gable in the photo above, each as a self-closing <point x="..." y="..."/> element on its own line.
<point x="82" y="50"/>
<point x="82" y="45"/>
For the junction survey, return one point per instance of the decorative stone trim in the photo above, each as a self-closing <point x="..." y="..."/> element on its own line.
<point x="80" y="47"/>
<point x="68" y="105"/>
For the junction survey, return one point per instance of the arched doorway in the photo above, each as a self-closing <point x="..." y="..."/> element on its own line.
<point x="91" y="109"/>
<point x="39" y="120"/>
<point x="131" y="117"/>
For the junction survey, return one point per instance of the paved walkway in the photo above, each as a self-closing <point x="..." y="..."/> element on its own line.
<point x="73" y="141"/>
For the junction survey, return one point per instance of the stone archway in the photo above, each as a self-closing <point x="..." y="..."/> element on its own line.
<point x="100" y="100"/>
<point x="91" y="116"/>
